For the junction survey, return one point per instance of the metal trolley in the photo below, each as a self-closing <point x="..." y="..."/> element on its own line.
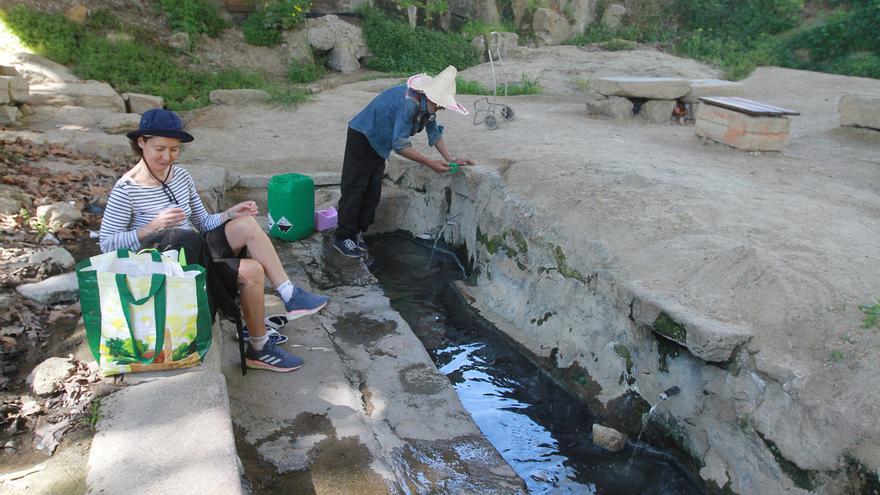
<point x="490" y="111"/>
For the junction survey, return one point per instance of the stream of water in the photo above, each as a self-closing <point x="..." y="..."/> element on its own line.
<point x="542" y="431"/>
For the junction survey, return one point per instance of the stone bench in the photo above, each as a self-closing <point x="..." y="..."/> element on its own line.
<point x="743" y="124"/>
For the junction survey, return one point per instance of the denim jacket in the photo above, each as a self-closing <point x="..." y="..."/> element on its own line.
<point x="393" y="117"/>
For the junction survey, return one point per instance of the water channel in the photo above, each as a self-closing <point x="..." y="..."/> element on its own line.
<point x="542" y="431"/>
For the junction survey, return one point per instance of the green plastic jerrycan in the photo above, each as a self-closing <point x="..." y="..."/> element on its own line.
<point x="291" y="206"/>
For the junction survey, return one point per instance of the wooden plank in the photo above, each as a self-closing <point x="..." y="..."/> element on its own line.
<point x="748" y="107"/>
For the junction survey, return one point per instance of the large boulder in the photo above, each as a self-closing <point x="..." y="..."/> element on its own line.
<point x="657" y="111"/>
<point x="502" y="43"/>
<point x="550" y="27"/>
<point x="652" y="88"/>
<point x="326" y="32"/>
<point x="343" y="59"/>
<point x="119" y="123"/>
<point x="8" y="114"/>
<point x="140" y="103"/>
<point x="859" y="111"/>
<point x="520" y="10"/>
<point x="37" y="69"/>
<point x="581" y="13"/>
<point x="478" y="10"/>
<point x="238" y="96"/>
<point x="16" y="197"/>
<point x="16" y="88"/>
<point x="613" y="16"/>
<point x="615" y="107"/>
<point x="90" y="94"/>
<point x="297" y="43"/>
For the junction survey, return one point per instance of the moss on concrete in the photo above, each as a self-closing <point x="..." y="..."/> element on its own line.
<point x="666" y="350"/>
<point x="666" y="326"/>
<point x="520" y="240"/>
<point x="564" y="269"/>
<point x="802" y="478"/>
<point x="491" y="244"/>
<point x="623" y="351"/>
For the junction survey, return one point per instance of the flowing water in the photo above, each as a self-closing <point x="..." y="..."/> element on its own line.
<point x="543" y="432"/>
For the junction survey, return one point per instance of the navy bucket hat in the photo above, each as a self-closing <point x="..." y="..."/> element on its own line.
<point x="163" y="123"/>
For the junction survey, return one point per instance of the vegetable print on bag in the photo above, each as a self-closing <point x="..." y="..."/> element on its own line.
<point x="144" y="311"/>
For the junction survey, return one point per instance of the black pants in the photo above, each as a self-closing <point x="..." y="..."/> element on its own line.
<point x="362" y="173"/>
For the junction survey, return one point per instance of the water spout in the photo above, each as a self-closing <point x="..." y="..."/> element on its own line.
<point x="669" y="392"/>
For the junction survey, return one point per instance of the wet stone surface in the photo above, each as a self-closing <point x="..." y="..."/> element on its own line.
<point x="420" y="379"/>
<point x="358" y="329"/>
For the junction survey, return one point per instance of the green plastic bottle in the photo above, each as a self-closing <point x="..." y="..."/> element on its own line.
<point x="291" y="206"/>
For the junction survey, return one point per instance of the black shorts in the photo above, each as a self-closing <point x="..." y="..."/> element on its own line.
<point x="212" y="251"/>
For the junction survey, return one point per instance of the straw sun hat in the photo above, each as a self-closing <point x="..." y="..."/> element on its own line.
<point x="439" y="89"/>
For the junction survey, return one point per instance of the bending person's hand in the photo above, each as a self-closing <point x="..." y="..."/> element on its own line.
<point x="464" y="161"/>
<point x="438" y="166"/>
<point x="243" y="209"/>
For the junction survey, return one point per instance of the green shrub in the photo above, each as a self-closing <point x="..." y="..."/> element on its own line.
<point x="738" y="19"/>
<point x="193" y="16"/>
<point x="474" y="28"/>
<point x="138" y="66"/>
<point x="305" y="72"/>
<point x="398" y="48"/>
<point x="265" y="25"/>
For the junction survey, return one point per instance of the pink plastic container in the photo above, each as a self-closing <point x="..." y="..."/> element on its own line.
<point x="325" y="219"/>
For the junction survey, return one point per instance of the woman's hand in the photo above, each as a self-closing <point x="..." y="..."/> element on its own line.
<point x="438" y="166"/>
<point x="243" y="209"/>
<point x="169" y="217"/>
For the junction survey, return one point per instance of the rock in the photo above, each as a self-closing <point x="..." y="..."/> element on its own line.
<point x="9" y="206"/>
<point x="50" y="240"/>
<point x="17" y="88"/>
<point x="479" y="45"/>
<point x="503" y="42"/>
<point x="486" y="11"/>
<point x="140" y="103"/>
<point x="37" y="69"/>
<point x="8" y="70"/>
<point x="613" y="16"/>
<point x="550" y="27"/>
<point x="342" y="59"/>
<point x="581" y="13"/>
<point x="329" y="31"/>
<point x="520" y="10"/>
<point x="712" y="87"/>
<point x="657" y="111"/>
<point x="616" y="107"/>
<point x="58" y="259"/>
<point x="48" y="377"/>
<point x="652" y="88"/>
<point x="77" y="13"/>
<point x="26" y="110"/>
<point x="120" y="123"/>
<point x="57" y="215"/>
<point x="298" y="47"/>
<point x="741" y="131"/>
<point x="118" y="37"/>
<point x="90" y="94"/>
<point x="60" y="288"/>
<point x="859" y="111"/>
<point x="714" y="470"/>
<point x="608" y="438"/>
<point x="8" y="114"/>
<point x="16" y="194"/>
<point x="179" y="41"/>
<point x="238" y="96"/>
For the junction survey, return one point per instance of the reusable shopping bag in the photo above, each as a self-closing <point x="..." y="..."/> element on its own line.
<point x="144" y="311"/>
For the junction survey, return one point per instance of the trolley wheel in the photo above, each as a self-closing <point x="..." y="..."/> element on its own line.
<point x="491" y="122"/>
<point x="507" y="113"/>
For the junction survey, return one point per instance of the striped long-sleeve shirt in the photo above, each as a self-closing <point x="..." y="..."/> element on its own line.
<point x="132" y="206"/>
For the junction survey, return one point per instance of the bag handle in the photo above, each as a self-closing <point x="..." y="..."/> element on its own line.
<point x="157" y="283"/>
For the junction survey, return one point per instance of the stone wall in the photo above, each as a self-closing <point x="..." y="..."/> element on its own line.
<point x="614" y="345"/>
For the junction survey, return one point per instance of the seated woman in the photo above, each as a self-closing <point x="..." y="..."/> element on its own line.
<point x="155" y="204"/>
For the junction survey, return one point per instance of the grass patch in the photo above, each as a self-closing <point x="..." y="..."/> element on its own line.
<point x="872" y="314"/>
<point x="305" y="72"/>
<point x="618" y="44"/>
<point x="265" y="26"/>
<point x="396" y="47"/>
<point x="527" y="85"/>
<point x="474" y="28"/>
<point x="193" y="16"/>
<point x="129" y="66"/>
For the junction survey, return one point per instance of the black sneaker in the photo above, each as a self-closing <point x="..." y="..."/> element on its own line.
<point x="361" y="243"/>
<point x="347" y="247"/>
